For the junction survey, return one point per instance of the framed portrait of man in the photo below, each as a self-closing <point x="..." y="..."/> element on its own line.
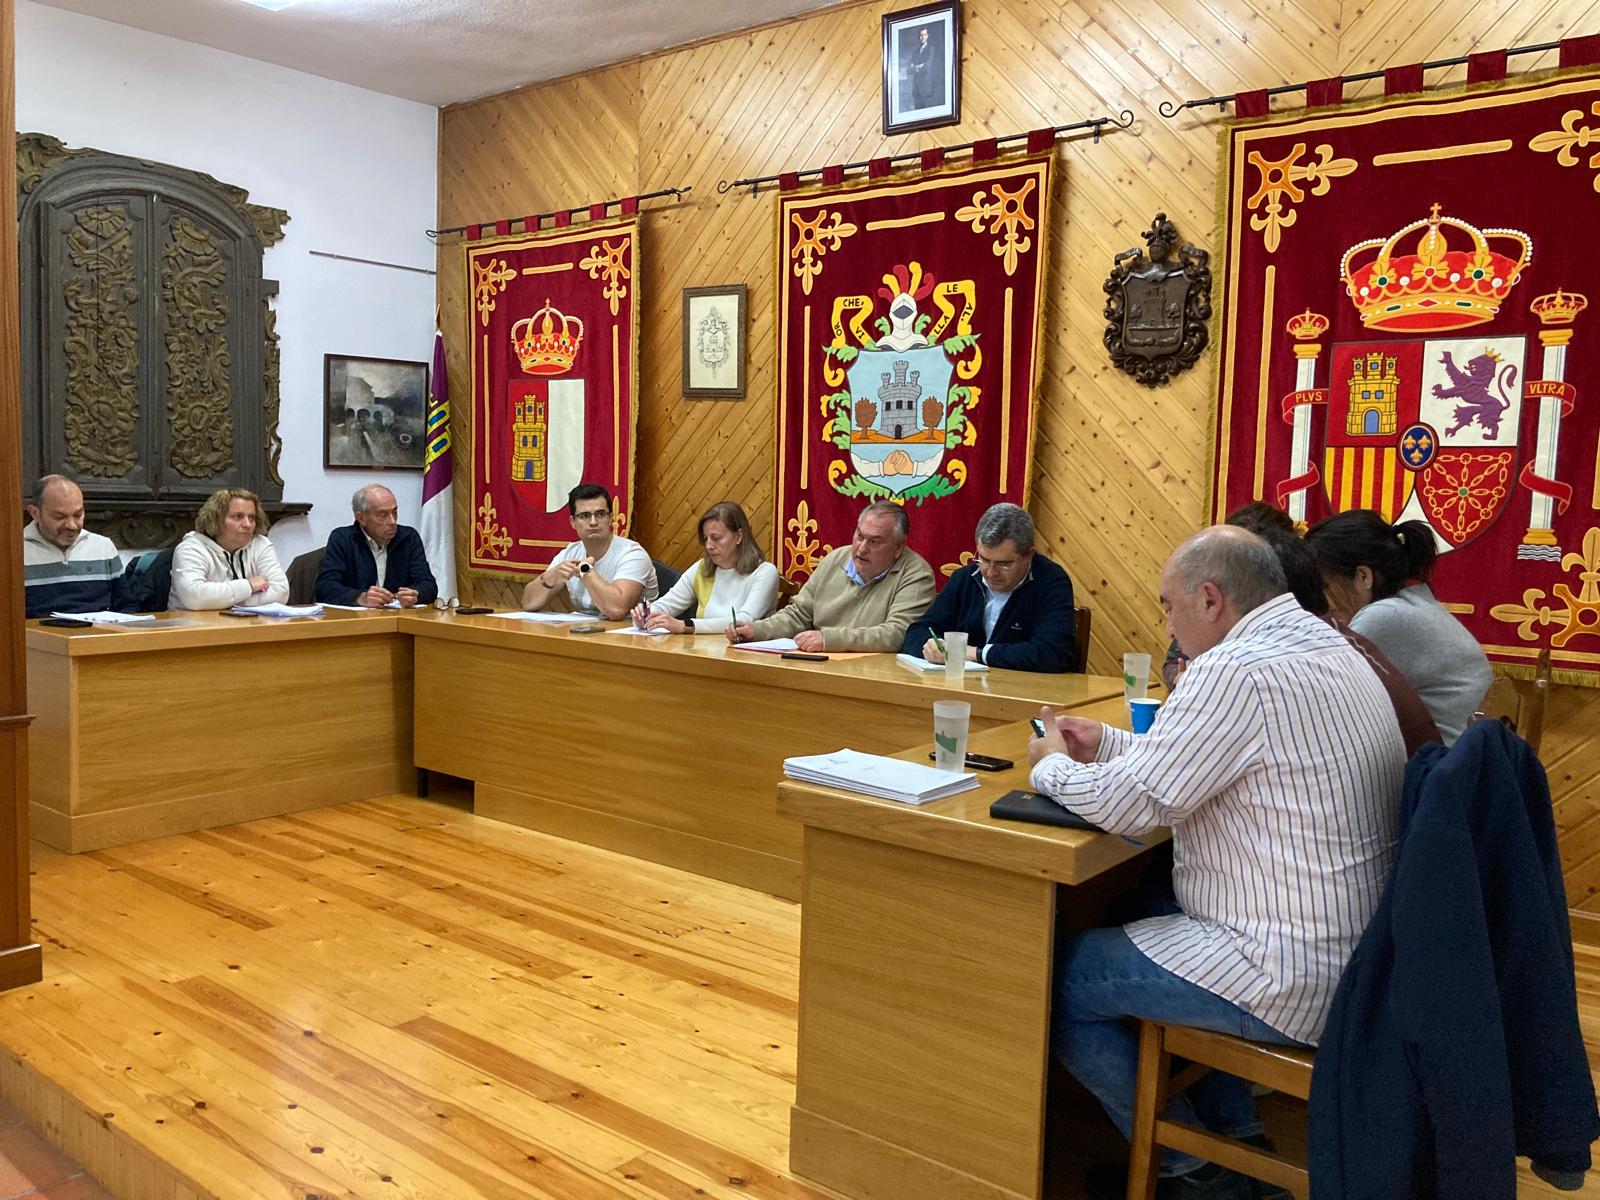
<point x="922" y="67"/>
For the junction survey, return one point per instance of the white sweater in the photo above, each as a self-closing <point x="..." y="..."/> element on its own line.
<point x="205" y="576"/>
<point x="752" y="596"/>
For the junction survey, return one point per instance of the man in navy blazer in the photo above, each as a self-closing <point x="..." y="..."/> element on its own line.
<point x="1014" y="603"/>
<point x="375" y="561"/>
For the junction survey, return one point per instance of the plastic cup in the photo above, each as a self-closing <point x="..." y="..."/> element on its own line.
<point x="1135" y="676"/>
<point x="955" y="659"/>
<point x="1142" y="710"/>
<point x="950" y="721"/>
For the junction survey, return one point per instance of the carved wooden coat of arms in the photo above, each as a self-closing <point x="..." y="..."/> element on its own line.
<point x="1157" y="309"/>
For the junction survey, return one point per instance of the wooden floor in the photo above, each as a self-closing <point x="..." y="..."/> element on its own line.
<point x="398" y="999"/>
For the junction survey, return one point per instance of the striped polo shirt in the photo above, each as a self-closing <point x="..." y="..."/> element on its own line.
<point x="80" y="579"/>
<point x="1277" y="761"/>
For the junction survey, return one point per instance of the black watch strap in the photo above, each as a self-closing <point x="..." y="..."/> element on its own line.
<point x="688" y="624"/>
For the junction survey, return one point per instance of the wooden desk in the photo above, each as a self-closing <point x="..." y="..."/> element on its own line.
<point x="666" y="748"/>
<point x="145" y="732"/>
<point x="927" y="938"/>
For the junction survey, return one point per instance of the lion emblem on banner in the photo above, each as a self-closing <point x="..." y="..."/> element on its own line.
<point x="904" y="389"/>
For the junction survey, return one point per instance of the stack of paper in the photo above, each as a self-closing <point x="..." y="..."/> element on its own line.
<point x="875" y="775"/>
<point x="770" y="646"/>
<point x="278" y="610"/>
<point x="107" y="618"/>
<point x="922" y="664"/>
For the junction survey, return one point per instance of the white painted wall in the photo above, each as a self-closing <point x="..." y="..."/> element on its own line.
<point x="356" y="170"/>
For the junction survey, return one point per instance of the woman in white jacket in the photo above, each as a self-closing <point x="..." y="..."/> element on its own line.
<point x="728" y="582"/>
<point x="227" y="560"/>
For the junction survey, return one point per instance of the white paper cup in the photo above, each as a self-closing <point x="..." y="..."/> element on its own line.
<point x="1135" y="676"/>
<point x="950" y="721"/>
<point x="955" y="659"/>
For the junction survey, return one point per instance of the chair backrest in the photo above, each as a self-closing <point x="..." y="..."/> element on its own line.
<point x="1081" y="619"/>
<point x="147" y="581"/>
<point x="788" y="589"/>
<point x="1519" y="703"/>
<point x="302" y="575"/>
<point x="665" y="576"/>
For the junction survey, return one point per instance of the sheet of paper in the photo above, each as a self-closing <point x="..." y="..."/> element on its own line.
<point x="770" y="646"/>
<point x="362" y="607"/>
<point x="107" y="618"/>
<point x="641" y="632"/>
<point x="544" y="618"/>
<point x="922" y="664"/>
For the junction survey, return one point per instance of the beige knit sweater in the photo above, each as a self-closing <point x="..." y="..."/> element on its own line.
<point x="874" y="617"/>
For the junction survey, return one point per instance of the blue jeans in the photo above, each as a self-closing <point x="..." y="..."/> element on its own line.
<point x="1102" y="978"/>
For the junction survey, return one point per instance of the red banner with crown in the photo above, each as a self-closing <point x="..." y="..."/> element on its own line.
<point x="908" y="343"/>
<point x="552" y="325"/>
<point x="1405" y="329"/>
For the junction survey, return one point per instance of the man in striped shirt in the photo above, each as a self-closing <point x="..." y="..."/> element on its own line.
<point x="1277" y="763"/>
<point x="65" y="568"/>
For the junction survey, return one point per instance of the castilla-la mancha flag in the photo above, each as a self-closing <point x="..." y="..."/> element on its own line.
<point x="552" y="323"/>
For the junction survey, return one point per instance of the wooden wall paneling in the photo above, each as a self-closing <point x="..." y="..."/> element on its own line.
<point x="1119" y="470"/>
<point x="20" y="960"/>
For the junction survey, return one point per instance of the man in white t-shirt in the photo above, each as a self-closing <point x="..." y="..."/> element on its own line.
<point x="604" y="574"/>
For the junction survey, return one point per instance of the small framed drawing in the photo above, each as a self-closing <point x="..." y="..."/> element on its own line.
<point x="374" y="409"/>
<point x="922" y="67"/>
<point x="713" y="341"/>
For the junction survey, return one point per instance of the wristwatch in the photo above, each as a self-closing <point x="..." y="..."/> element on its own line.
<point x="688" y="624"/>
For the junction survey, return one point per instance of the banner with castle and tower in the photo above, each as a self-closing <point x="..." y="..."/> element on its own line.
<point x="1406" y="328"/>
<point x="552" y="341"/>
<point x="908" y="344"/>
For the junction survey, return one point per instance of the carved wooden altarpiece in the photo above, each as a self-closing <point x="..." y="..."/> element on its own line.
<point x="149" y="353"/>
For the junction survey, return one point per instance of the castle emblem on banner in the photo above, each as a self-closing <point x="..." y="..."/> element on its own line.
<point x="904" y="390"/>
<point x="1429" y="427"/>
<point x="547" y="413"/>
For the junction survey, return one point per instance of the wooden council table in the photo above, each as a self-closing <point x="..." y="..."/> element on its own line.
<point x="143" y="732"/>
<point x="927" y="940"/>
<point x="666" y="748"/>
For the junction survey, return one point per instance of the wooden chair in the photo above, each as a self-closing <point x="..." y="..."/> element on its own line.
<point x="1520" y="703"/>
<point x="1282" y="1068"/>
<point x="1081" y="620"/>
<point x="302" y="575"/>
<point x="788" y="589"/>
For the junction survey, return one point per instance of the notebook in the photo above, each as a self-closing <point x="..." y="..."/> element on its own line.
<point x="1039" y="810"/>
<point x="877" y="775"/>
<point x="922" y="664"/>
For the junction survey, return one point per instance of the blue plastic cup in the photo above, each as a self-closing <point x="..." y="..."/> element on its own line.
<point x="1143" y="711"/>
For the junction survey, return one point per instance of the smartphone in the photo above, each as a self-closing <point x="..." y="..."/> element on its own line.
<point x="985" y="762"/>
<point x="66" y="623"/>
<point x="228" y="612"/>
<point x="586" y="628"/>
<point x="1038" y="726"/>
<point x="470" y="611"/>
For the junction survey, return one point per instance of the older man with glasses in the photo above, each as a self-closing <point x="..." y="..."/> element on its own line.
<point x="1013" y="603"/>
<point x="604" y="574"/>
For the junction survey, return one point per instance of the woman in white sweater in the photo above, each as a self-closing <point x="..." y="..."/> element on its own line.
<point x="227" y="560"/>
<point x="728" y="583"/>
<point x="1376" y="578"/>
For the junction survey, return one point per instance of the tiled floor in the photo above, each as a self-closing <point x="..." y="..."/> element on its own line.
<point x="31" y="1166"/>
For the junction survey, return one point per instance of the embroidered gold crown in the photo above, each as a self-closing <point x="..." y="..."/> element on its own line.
<point x="1307" y="326"/>
<point x="547" y="342"/>
<point x="1435" y="285"/>
<point x="1558" y="307"/>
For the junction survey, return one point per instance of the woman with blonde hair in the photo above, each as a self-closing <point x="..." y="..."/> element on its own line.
<point x="227" y="560"/>
<point x="729" y="583"/>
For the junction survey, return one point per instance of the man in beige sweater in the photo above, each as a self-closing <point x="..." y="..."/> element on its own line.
<point x="860" y="597"/>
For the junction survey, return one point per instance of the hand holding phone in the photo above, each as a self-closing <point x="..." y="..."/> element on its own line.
<point x="1038" y="726"/>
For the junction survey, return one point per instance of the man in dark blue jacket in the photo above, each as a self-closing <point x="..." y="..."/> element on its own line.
<point x="376" y="561"/>
<point x="1014" y="603"/>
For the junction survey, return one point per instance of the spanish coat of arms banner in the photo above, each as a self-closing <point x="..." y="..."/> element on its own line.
<point x="1405" y="329"/>
<point x="908" y="335"/>
<point x="552" y="352"/>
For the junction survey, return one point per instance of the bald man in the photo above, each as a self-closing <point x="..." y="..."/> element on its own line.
<point x="375" y="561"/>
<point x="65" y="568"/>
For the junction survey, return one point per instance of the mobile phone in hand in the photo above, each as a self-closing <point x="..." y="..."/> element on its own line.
<point x="1038" y="726"/>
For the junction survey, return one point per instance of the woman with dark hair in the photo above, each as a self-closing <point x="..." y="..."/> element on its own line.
<point x="729" y="583"/>
<point x="1376" y="578"/>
